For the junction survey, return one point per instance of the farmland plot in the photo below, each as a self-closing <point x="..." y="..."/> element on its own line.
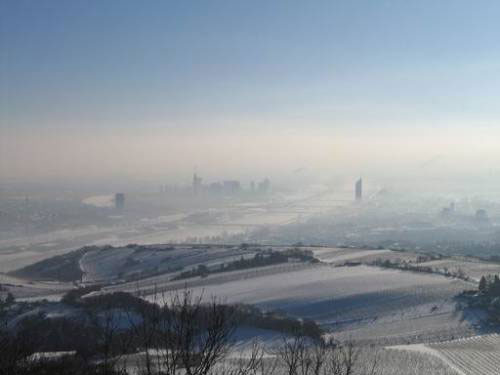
<point x="22" y="289"/>
<point x="162" y="283"/>
<point x="471" y="267"/>
<point x="402" y="363"/>
<point x="354" y="302"/>
<point x="341" y="255"/>
<point x="389" y="362"/>
<point x="112" y="263"/>
<point x="478" y="355"/>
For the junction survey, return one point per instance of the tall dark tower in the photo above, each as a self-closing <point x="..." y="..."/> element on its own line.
<point x="196" y="184"/>
<point x="359" y="190"/>
<point x="119" y="201"/>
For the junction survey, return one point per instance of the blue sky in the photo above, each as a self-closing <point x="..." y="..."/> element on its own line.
<point x="344" y="68"/>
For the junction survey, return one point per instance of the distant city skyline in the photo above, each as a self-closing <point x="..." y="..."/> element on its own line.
<point x="95" y="90"/>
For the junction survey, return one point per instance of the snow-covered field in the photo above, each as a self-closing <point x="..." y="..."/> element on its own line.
<point x="23" y="289"/>
<point x="394" y="362"/>
<point x="111" y="263"/>
<point x="341" y="255"/>
<point x="390" y="362"/>
<point x="370" y="305"/>
<point x="361" y="303"/>
<point x="364" y="303"/>
<point x="471" y="267"/>
<point x="473" y="356"/>
<point x="478" y="355"/>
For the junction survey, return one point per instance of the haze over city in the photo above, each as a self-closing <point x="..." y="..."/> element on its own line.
<point x="249" y="187"/>
<point x="96" y="92"/>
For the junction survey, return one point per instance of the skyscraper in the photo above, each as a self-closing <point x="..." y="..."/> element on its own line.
<point x="264" y="186"/>
<point x="359" y="190"/>
<point x="197" y="181"/>
<point x="119" y="201"/>
<point x="231" y="186"/>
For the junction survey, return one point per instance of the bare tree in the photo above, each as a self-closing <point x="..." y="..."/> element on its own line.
<point x="291" y="353"/>
<point x="318" y="356"/>
<point x="113" y="340"/>
<point x="251" y="364"/>
<point x="342" y="359"/>
<point x="192" y="335"/>
<point x="301" y="356"/>
<point x="144" y="325"/>
<point x="15" y="347"/>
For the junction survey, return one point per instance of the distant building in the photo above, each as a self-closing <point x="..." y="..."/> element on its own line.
<point x="119" y="201"/>
<point x="358" y="194"/>
<point x="197" y="181"/>
<point x="482" y="216"/>
<point x="264" y="186"/>
<point x="215" y="188"/>
<point x="231" y="186"/>
<point x="448" y="211"/>
<point x="452" y="206"/>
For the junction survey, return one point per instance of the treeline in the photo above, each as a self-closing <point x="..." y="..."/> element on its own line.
<point x="489" y="286"/>
<point x="260" y="259"/>
<point x="251" y="316"/>
<point x="486" y="297"/>
<point x="458" y="273"/>
<point x="243" y="315"/>
<point x="110" y="327"/>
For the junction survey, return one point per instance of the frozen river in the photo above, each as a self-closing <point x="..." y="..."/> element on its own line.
<point x="169" y="228"/>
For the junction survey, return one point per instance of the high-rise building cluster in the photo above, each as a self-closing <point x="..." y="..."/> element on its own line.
<point x="228" y="187"/>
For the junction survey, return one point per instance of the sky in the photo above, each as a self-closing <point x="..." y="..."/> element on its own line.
<point x="153" y="90"/>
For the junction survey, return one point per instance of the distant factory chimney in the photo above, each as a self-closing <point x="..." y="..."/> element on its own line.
<point x="359" y="190"/>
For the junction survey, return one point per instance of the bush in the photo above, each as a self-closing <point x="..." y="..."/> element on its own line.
<point x="73" y="297"/>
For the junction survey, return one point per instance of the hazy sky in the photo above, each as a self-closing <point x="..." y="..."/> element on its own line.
<point x="150" y="89"/>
